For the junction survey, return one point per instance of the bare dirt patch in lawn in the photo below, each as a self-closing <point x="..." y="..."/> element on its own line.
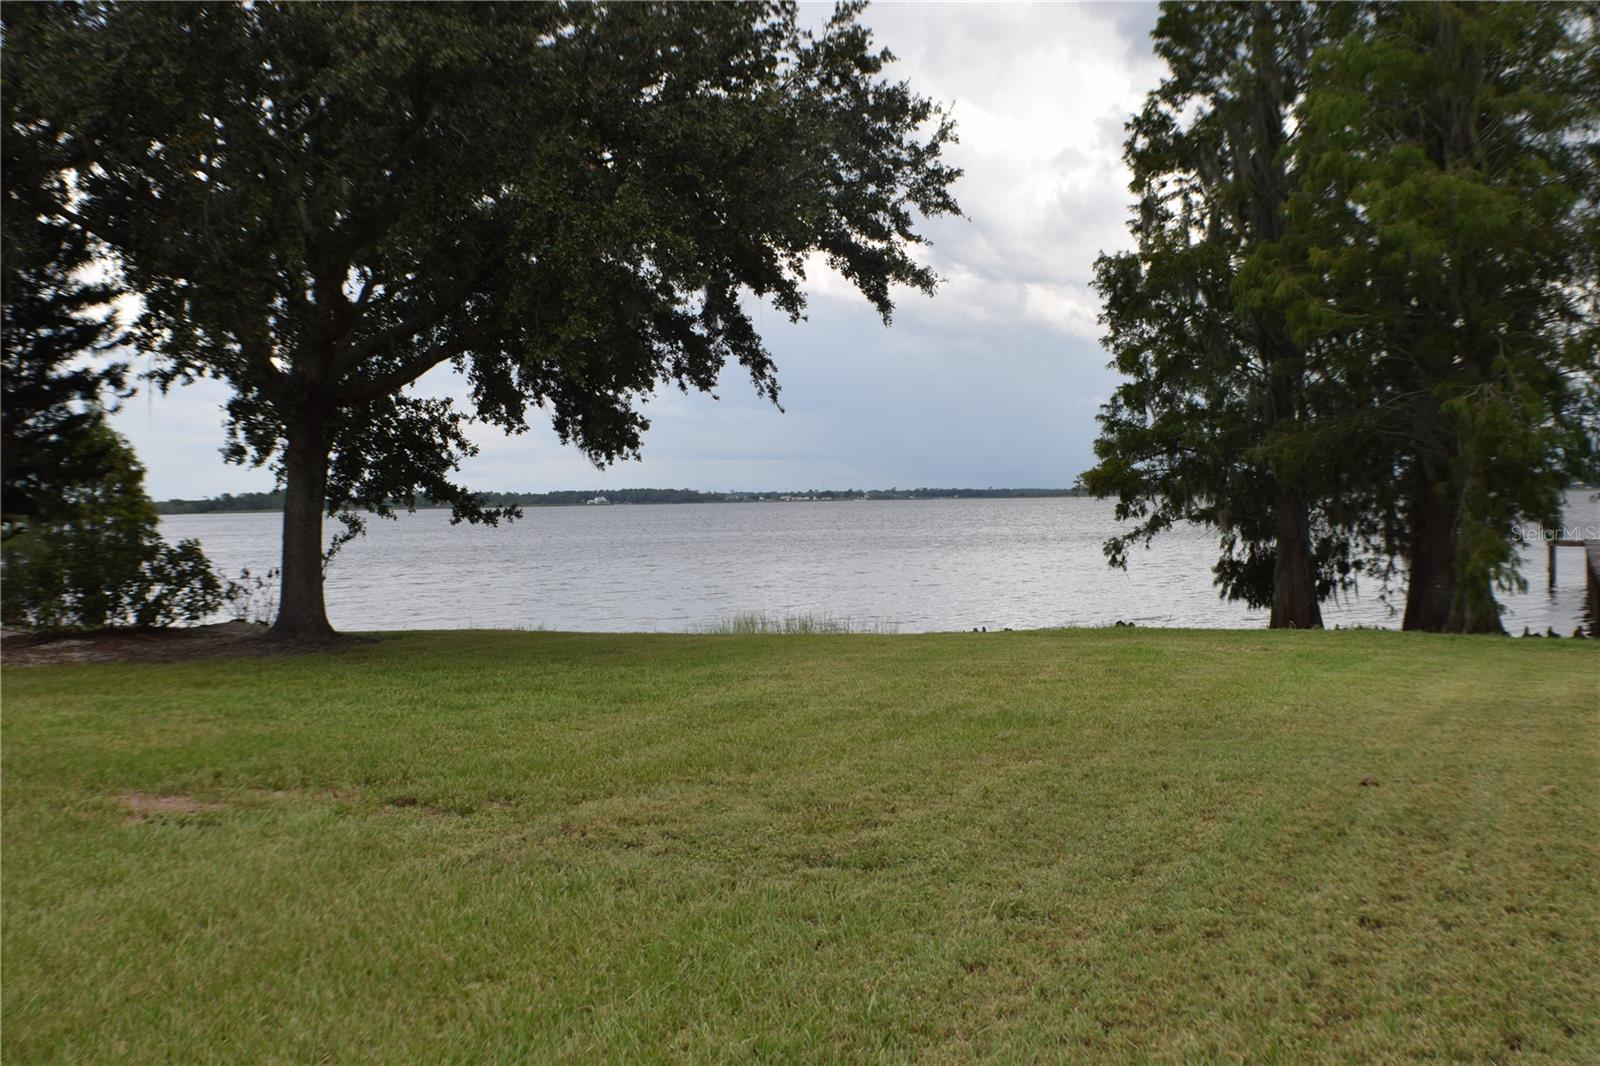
<point x="142" y="806"/>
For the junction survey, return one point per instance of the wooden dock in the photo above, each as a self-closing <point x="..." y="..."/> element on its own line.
<point x="1591" y="558"/>
<point x="1592" y="555"/>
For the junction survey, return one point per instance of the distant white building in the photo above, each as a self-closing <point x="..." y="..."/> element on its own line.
<point x="597" y="499"/>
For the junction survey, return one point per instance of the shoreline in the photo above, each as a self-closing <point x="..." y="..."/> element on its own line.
<point x="248" y="640"/>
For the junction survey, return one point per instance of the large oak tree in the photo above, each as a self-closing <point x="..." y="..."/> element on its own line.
<point x="572" y="204"/>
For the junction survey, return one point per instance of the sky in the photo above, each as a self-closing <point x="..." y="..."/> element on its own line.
<point x="993" y="381"/>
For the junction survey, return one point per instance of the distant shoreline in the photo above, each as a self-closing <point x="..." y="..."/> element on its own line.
<point x="270" y="502"/>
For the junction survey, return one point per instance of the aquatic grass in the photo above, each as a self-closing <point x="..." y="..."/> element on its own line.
<point x="764" y="623"/>
<point x="1106" y="845"/>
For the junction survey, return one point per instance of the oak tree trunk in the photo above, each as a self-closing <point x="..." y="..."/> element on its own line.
<point x="302" y="613"/>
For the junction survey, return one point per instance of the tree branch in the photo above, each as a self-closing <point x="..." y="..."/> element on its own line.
<point x="419" y="320"/>
<point x="368" y="389"/>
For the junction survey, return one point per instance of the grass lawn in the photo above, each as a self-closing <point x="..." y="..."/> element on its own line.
<point x="1084" y="845"/>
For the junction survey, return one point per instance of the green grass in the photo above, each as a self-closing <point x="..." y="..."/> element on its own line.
<point x="1111" y="845"/>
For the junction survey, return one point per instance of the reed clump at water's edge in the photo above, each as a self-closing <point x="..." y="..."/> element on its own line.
<point x="760" y="623"/>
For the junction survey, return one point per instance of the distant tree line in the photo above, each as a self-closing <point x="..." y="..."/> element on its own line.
<point x="273" y="501"/>
<point x="227" y="502"/>
<point x="967" y="494"/>
<point x="1359" y="328"/>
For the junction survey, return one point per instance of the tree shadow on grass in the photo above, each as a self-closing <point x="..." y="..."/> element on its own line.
<point x="160" y="645"/>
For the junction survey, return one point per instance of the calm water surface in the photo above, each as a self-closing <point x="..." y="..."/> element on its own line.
<point x="914" y="565"/>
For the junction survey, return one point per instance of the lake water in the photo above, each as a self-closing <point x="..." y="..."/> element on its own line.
<point x="910" y="566"/>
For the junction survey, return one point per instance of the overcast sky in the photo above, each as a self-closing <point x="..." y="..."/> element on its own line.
<point x="995" y="381"/>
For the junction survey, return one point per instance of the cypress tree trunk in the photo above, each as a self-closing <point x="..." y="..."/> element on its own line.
<point x="1294" y="591"/>
<point x="1430" y="562"/>
<point x="1294" y="584"/>
<point x="302" y="613"/>
<point x="1473" y="608"/>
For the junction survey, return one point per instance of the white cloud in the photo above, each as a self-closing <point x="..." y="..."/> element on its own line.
<point x="1040" y="94"/>
<point x="1069" y="308"/>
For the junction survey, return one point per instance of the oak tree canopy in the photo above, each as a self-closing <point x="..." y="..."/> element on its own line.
<point x="571" y="204"/>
